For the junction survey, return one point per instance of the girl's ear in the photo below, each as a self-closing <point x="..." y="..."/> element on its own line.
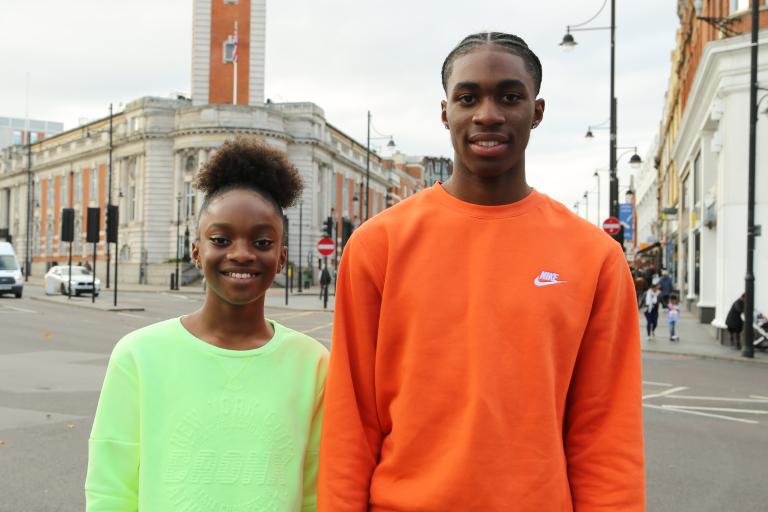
<point x="196" y="253"/>
<point x="282" y="259"/>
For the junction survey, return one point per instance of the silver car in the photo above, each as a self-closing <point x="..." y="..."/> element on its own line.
<point x="57" y="280"/>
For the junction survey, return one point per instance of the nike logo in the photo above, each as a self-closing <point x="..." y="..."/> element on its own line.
<point x="547" y="279"/>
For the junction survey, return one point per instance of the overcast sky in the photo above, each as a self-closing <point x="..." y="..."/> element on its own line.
<point x="350" y="56"/>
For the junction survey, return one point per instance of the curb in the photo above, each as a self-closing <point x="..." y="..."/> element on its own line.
<point x="90" y="306"/>
<point x="733" y="359"/>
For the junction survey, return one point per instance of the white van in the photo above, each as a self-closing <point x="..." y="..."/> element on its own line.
<point x="11" y="280"/>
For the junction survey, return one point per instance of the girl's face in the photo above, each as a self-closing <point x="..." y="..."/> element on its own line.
<point x="240" y="247"/>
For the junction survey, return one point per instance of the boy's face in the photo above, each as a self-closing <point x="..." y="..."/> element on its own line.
<point x="490" y="108"/>
<point x="240" y="247"/>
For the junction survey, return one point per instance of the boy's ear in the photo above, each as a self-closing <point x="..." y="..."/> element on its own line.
<point x="444" y="113"/>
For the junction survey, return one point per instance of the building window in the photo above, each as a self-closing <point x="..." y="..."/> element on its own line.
<point x="132" y="202"/>
<point x="65" y="191"/>
<point x="78" y="188"/>
<point x="33" y="137"/>
<point x="190" y="164"/>
<point x="93" y="185"/>
<point x="17" y="138"/>
<point x="228" y="50"/>
<point x="49" y="195"/>
<point x="738" y="5"/>
<point x="190" y="195"/>
<point x="231" y="2"/>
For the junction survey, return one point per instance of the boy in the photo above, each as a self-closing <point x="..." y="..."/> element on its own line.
<point x="515" y="385"/>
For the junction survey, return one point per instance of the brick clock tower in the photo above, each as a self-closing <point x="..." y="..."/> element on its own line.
<point x="228" y="38"/>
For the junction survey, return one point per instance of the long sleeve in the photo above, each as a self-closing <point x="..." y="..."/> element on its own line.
<point x="603" y="424"/>
<point x="112" y="481"/>
<point x="312" y="454"/>
<point x="351" y="438"/>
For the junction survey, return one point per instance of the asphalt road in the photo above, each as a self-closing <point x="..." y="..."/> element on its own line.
<point x="706" y="420"/>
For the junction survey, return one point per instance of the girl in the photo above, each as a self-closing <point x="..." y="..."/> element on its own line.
<point x="652" y="310"/>
<point x="219" y="409"/>
<point x="673" y="316"/>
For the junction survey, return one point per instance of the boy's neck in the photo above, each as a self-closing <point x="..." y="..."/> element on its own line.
<point x="230" y="327"/>
<point x="499" y="190"/>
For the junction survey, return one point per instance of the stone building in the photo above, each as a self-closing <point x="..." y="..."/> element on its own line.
<point x="143" y="159"/>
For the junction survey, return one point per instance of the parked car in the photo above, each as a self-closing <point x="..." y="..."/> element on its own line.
<point x="10" y="274"/>
<point x="57" y="281"/>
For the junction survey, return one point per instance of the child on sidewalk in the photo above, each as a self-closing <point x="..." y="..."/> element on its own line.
<point x="219" y="409"/>
<point x="673" y="316"/>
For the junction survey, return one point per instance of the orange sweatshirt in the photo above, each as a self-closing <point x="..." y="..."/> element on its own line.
<point x="484" y="358"/>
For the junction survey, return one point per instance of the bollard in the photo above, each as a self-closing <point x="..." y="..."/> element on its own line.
<point x="173" y="281"/>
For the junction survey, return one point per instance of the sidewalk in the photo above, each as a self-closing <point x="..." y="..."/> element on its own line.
<point x="309" y="300"/>
<point x="696" y="339"/>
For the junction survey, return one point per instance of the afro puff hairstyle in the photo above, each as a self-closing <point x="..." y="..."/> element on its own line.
<point x="249" y="164"/>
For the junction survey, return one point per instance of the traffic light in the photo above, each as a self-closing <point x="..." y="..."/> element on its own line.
<point x="112" y="221"/>
<point x="346" y="231"/>
<point x="328" y="228"/>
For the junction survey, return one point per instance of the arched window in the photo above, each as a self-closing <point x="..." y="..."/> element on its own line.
<point x="125" y="253"/>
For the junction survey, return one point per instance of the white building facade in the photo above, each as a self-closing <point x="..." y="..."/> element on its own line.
<point x="712" y="162"/>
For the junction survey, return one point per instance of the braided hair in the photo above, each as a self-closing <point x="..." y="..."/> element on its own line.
<point x="248" y="164"/>
<point x="509" y="42"/>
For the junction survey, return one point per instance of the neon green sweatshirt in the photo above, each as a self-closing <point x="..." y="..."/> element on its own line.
<point x="183" y="425"/>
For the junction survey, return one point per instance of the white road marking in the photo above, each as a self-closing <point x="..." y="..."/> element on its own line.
<point x="759" y="397"/>
<point x="15" y="309"/>
<point x="672" y="408"/>
<point x="665" y="393"/>
<point x="313" y="329"/>
<point x="132" y="316"/>
<point x="662" y="384"/>
<point x="716" y="409"/>
<point x="291" y="315"/>
<point x="723" y="399"/>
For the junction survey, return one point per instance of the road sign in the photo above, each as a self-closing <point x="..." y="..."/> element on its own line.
<point x="611" y="225"/>
<point x="325" y="246"/>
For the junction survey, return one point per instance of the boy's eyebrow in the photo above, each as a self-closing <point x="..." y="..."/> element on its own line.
<point x="504" y="84"/>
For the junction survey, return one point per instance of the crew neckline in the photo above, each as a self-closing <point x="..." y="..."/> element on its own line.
<point x="524" y="205"/>
<point x="201" y="344"/>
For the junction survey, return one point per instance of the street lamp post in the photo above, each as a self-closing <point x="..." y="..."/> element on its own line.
<point x="569" y="43"/>
<point x="178" y="227"/>
<point x="390" y="144"/>
<point x="752" y="229"/>
<point x="30" y="200"/>
<point x="597" y="177"/>
<point x="109" y="188"/>
<point x="586" y="205"/>
<point x="301" y="222"/>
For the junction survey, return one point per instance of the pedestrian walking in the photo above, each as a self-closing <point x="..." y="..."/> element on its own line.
<point x="495" y="370"/>
<point x="652" y="310"/>
<point x="219" y="409"/>
<point x="325" y="282"/>
<point x="665" y="287"/>
<point x="734" y="322"/>
<point x="673" y="317"/>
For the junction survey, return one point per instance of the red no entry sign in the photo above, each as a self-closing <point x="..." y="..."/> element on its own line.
<point x="611" y="225"/>
<point x="325" y="246"/>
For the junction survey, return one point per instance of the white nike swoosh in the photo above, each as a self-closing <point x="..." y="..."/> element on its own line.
<point x="538" y="282"/>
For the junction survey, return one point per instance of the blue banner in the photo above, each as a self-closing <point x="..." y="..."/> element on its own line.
<point x="627" y="219"/>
